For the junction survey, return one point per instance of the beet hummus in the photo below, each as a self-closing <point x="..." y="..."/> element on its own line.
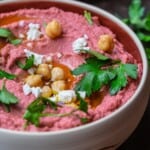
<point x="60" y="70"/>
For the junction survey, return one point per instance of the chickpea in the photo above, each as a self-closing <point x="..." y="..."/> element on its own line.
<point x="34" y="80"/>
<point x="46" y="91"/>
<point x="57" y="73"/>
<point x="53" y="29"/>
<point x="58" y="86"/>
<point x="106" y="43"/>
<point x="44" y="71"/>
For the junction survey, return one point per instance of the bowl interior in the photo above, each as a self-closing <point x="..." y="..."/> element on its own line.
<point x="122" y="35"/>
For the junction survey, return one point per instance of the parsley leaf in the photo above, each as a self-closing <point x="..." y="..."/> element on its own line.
<point x="97" y="73"/>
<point x="95" y="54"/>
<point x="143" y="37"/>
<point x="9" y="36"/>
<point x="35" y="110"/>
<point x="148" y="53"/>
<point x="28" y="63"/>
<point x="86" y="83"/>
<point x="103" y="77"/>
<point x="4" y="74"/>
<point x="7" y="98"/>
<point x="139" y="21"/>
<point x="122" y="71"/>
<point x="15" y="41"/>
<point x="5" y="33"/>
<point x="88" y="17"/>
<point x="83" y="104"/>
<point x="136" y="12"/>
<point x="84" y="120"/>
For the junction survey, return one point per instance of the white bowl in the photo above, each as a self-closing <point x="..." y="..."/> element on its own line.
<point x="107" y="133"/>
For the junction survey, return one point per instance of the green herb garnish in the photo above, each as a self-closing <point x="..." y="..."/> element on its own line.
<point x="83" y="106"/>
<point x="15" y="41"/>
<point x="120" y="81"/>
<point x="96" y="74"/>
<point x="88" y="17"/>
<point x="5" y="33"/>
<point x="28" y="63"/>
<point x="9" y="36"/>
<point x="6" y="75"/>
<point x="35" y="110"/>
<point x="7" y="98"/>
<point x="139" y="21"/>
<point x="84" y="120"/>
<point x="95" y="54"/>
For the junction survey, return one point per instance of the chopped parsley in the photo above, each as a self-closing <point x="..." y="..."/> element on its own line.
<point x="4" y="74"/>
<point x="95" y="54"/>
<point x="88" y="17"/>
<point x="139" y="21"/>
<point x="9" y="36"/>
<point x="97" y="73"/>
<point x="83" y="105"/>
<point x="28" y="63"/>
<point x="35" y="110"/>
<point x="84" y="120"/>
<point x="7" y="98"/>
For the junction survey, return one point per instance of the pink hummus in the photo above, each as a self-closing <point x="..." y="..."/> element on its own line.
<point x="74" y="26"/>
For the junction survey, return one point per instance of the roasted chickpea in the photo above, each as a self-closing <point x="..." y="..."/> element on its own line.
<point x="53" y="29"/>
<point x="58" y="86"/>
<point x="57" y="73"/>
<point x="46" y="91"/>
<point x="106" y="43"/>
<point x="44" y="71"/>
<point x="34" y="80"/>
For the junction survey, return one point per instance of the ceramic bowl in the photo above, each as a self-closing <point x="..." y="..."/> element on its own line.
<point x="105" y="134"/>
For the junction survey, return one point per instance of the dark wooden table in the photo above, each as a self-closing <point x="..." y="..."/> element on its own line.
<point x="140" y="139"/>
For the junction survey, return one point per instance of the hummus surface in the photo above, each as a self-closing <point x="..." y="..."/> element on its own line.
<point x="60" y="50"/>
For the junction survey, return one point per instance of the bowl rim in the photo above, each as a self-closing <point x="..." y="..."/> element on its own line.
<point x="143" y="80"/>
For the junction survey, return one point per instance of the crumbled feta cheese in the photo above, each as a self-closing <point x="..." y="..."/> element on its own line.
<point x="48" y="59"/>
<point x="21" y="23"/>
<point x="53" y="98"/>
<point x="59" y="55"/>
<point x="21" y="35"/>
<point x="66" y="96"/>
<point x="26" y="89"/>
<point x="33" y="32"/>
<point x="37" y="57"/>
<point x="82" y="94"/>
<point x="36" y="91"/>
<point x="31" y="71"/>
<point x="80" y="44"/>
<point x="30" y="45"/>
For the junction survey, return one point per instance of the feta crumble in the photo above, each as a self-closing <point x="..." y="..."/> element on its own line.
<point x="80" y="44"/>
<point x="33" y="32"/>
<point x="31" y="70"/>
<point x="21" y="23"/>
<point x="65" y="96"/>
<point x="37" y="57"/>
<point x="21" y="36"/>
<point x="36" y="91"/>
<point x="82" y="94"/>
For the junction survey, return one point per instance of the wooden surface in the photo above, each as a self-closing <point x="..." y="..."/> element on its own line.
<point x="140" y="139"/>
